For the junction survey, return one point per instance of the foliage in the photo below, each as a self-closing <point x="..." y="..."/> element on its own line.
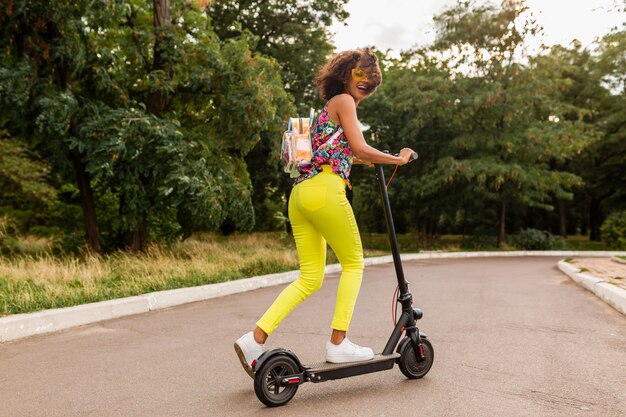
<point x="28" y="203"/>
<point x="614" y="230"/>
<point x="479" y="242"/>
<point x="413" y="107"/>
<point x="511" y="147"/>
<point x="25" y="192"/>
<point x="22" y="175"/>
<point x="147" y="124"/>
<point x="591" y="93"/>
<point x="533" y="239"/>
<point x="161" y="117"/>
<point x="496" y="136"/>
<point x="293" y="32"/>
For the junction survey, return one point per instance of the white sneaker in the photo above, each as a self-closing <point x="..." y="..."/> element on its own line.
<point x="347" y="351"/>
<point x="248" y="351"/>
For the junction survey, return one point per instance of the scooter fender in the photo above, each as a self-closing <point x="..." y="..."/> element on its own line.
<point x="408" y="340"/>
<point x="274" y="352"/>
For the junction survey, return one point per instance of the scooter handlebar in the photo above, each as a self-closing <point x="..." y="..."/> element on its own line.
<point x="412" y="158"/>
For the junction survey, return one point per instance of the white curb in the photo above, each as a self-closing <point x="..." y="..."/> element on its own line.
<point x="611" y="294"/>
<point x="22" y="325"/>
<point x="618" y="260"/>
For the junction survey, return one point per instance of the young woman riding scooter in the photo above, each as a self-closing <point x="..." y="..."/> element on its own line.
<point x="320" y="213"/>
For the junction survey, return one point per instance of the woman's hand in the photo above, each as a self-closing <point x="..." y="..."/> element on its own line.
<point x="406" y="154"/>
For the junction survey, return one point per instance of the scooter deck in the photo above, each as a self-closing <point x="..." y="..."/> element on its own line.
<point x="324" y="371"/>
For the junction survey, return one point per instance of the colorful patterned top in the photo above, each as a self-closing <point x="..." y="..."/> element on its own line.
<point x="337" y="154"/>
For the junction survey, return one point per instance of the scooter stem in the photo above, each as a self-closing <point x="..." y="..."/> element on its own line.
<point x="393" y="240"/>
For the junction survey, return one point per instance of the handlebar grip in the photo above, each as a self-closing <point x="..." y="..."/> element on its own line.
<point x="412" y="158"/>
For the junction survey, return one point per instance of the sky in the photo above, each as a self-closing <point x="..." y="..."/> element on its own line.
<point x="402" y="24"/>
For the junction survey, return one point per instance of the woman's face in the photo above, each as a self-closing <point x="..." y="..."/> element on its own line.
<point x="359" y="84"/>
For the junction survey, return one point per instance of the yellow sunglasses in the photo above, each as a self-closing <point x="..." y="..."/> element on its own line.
<point x="359" y="75"/>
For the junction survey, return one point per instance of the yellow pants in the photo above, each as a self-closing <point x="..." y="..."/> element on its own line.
<point x="320" y="212"/>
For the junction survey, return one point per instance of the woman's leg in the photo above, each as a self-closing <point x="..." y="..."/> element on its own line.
<point x="338" y="226"/>
<point x="311" y="248"/>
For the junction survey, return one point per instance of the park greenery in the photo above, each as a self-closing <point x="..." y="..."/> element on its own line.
<point x="129" y="125"/>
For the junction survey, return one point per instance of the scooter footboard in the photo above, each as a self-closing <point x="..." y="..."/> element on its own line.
<point x="325" y="371"/>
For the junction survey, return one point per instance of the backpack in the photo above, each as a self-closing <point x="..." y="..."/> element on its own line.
<point x="297" y="149"/>
<point x="297" y="146"/>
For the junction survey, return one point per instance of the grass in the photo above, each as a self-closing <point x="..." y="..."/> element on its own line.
<point x="583" y="243"/>
<point x="380" y="242"/>
<point x="36" y="281"/>
<point x="31" y="283"/>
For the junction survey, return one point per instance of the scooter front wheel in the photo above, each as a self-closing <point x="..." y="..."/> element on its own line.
<point x="408" y="363"/>
<point x="267" y="381"/>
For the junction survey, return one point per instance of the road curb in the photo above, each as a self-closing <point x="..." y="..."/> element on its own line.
<point x="23" y="325"/>
<point x="618" y="260"/>
<point x="611" y="294"/>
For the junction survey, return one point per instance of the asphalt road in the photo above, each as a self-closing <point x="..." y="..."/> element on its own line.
<point x="512" y="337"/>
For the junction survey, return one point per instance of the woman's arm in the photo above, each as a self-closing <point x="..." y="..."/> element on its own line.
<point x="344" y="108"/>
<point x="357" y="161"/>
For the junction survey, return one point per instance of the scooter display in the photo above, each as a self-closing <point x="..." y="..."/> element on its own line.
<point x="279" y="372"/>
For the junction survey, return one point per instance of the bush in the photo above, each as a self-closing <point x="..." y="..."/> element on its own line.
<point x="479" y="242"/>
<point x="38" y="241"/>
<point x="614" y="230"/>
<point x="533" y="239"/>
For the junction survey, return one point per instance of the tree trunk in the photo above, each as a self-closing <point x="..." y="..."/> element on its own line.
<point x="87" y="203"/>
<point x="464" y="220"/>
<point x="562" y="219"/>
<point x="502" y="232"/>
<point x="546" y="221"/>
<point x="583" y="227"/>
<point x="161" y="19"/>
<point x="595" y="219"/>
<point x="136" y="239"/>
<point x="82" y="176"/>
<point x="423" y="234"/>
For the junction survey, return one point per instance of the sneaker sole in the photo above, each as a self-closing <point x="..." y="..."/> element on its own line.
<point x="242" y="359"/>
<point x="347" y="360"/>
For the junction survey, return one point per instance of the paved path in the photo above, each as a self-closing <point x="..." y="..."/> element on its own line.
<point x="603" y="268"/>
<point x="512" y="337"/>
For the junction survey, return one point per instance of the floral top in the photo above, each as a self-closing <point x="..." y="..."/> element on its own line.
<point x="337" y="154"/>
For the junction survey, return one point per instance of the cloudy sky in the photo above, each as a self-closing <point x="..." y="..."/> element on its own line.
<point x="401" y="24"/>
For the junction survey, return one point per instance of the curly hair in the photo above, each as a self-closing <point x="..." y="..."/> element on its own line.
<point x="335" y="73"/>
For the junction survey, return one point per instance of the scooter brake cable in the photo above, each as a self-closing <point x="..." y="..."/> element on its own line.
<point x="390" y="178"/>
<point x="394" y="306"/>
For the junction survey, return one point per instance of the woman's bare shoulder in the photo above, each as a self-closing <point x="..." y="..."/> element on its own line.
<point x="342" y="99"/>
<point x="341" y="102"/>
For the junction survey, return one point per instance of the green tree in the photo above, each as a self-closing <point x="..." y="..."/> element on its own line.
<point x="144" y="100"/>
<point x="26" y="194"/>
<point x="414" y="107"/>
<point x="602" y="166"/>
<point x="295" y="34"/>
<point x="511" y="146"/>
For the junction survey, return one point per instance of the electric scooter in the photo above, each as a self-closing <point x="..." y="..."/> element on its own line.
<point x="279" y="372"/>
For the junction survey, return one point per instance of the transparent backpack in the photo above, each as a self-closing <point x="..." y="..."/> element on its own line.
<point x="297" y="148"/>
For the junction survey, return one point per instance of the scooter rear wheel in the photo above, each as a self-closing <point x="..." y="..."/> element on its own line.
<point x="267" y="384"/>
<point x="409" y="365"/>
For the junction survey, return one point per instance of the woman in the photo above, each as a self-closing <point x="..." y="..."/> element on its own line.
<point x="319" y="211"/>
